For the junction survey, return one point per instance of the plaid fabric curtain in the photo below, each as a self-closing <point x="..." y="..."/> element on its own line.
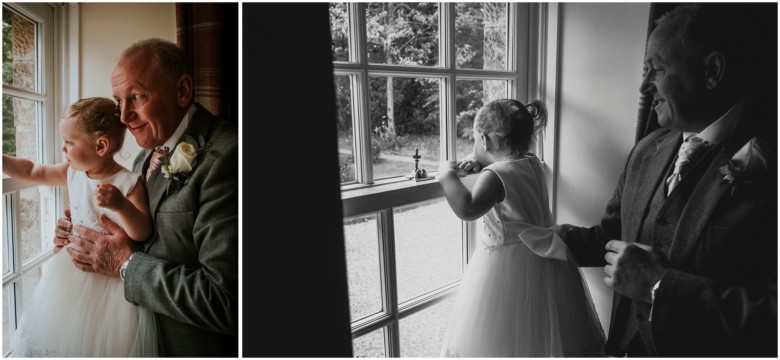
<point x="208" y="33"/>
<point x="647" y="119"/>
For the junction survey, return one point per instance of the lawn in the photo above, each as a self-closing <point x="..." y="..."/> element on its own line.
<point x="398" y="161"/>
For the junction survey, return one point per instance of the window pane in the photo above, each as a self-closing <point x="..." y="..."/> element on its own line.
<point x="403" y="33"/>
<point x="19" y="59"/>
<point x="371" y="345"/>
<point x="339" y="31"/>
<point x="361" y="240"/>
<point x="428" y="244"/>
<point x="422" y="333"/>
<point x="6" y="233"/>
<point x="20" y="127"/>
<point x="36" y="225"/>
<point x="404" y="117"/>
<point x="7" y="331"/>
<point x="471" y="95"/>
<point x="481" y="35"/>
<point x="345" y="134"/>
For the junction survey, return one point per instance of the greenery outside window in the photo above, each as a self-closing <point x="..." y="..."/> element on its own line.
<point x="409" y="78"/>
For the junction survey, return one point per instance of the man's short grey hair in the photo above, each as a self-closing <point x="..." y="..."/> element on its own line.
<point x="708" y="27"/>
<point x="171" y="59"/>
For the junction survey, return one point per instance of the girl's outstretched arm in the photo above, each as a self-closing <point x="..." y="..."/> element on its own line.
<point x="469" y="205"/>
<point x="133" y="210"/>
<point x="44" y="174"/>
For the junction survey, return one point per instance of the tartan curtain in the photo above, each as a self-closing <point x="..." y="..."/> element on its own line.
<point x="208" y="33"/>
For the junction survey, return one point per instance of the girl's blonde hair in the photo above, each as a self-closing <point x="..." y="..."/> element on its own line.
<point x="516" y="125"/>
<point x="99" y="116"/>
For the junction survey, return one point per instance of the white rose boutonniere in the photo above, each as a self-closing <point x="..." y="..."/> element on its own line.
<point x="176" y="167"/>
<point x="747" y="166"/>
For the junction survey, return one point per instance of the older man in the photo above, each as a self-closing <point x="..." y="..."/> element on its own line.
<point x="691" y="232"/>
<point x="187" y="272"/>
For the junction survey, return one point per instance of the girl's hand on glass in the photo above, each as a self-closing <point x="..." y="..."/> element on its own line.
<point x="109" y="197"/>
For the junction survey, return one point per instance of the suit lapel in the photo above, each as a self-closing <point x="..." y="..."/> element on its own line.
<point x="701" y="203"/>
<point x="653" y="165"/>
<point x="711" y="187"/>
<point x="156" y="187"/>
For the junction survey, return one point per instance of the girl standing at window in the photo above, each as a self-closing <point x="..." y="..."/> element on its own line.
<point x="520" y="295"/>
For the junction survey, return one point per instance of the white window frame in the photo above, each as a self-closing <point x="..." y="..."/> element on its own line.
<point x="56" y="35"/>
<point x="531" y="74"/>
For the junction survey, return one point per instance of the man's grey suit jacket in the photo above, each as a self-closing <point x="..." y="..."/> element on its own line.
<point x="187" y="272"/>
<point x="719" y="296"/>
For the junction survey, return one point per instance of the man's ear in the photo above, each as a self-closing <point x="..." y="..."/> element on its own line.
<point x="102" y="145"/>
<point x="714" y="69"/>
<point x="184" y="88"/>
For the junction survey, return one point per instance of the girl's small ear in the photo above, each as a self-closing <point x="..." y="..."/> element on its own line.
<point x="102" y="145"/>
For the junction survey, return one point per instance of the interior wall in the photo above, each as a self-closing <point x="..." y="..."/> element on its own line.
<point x="105" y="30"/>
<point x="601" y="56"/>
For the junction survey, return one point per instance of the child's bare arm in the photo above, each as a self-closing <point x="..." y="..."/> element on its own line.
<point x="469" y="205"/>
<point x="133" y="210"/>
<point x="44" y="174"/>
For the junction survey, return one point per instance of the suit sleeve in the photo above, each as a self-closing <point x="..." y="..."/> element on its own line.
<point x="203" y="294"/>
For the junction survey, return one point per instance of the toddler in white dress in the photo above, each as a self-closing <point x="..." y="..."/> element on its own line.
<point x="74" y="313"/>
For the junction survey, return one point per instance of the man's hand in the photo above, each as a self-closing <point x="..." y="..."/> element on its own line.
<point x="632" y="269"/>
<point x="61" y="233"/>
<point x="102" y="254"/>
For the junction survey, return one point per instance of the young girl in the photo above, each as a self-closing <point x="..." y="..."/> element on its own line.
<point x="74" y="313"/>
<point x="520" y="296"/>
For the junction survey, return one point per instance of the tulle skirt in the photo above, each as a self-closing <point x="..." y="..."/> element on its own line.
<point x="514" y="303"/>
<point x="77" y="314"/>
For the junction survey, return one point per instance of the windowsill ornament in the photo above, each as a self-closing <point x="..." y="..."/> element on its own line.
<point x="418" y="174"/>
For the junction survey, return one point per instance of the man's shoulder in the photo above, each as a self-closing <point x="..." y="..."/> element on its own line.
<point x="220" y="132"/>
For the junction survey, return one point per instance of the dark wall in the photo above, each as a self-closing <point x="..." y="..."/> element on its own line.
<point x="295" y="300"/>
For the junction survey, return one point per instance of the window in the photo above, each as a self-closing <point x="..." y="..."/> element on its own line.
<point x="409" y="79"/>
<point x="29" y="212"/>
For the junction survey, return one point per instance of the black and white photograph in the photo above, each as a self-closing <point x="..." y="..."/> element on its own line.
<point x="514" y="179"/>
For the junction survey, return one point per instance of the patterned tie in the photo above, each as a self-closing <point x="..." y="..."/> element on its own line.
<point x="688" y="151"/>
<point x="154" y="163"/>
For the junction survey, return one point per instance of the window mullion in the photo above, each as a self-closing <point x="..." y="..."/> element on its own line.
<point x="360" y="101"/>
<point x="446" y="35"/>
<point x="389" y="281"/>
<point x="14" y="259"/>
<point x="448" y="128"/>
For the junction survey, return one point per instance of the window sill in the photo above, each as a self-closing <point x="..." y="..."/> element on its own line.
<point x="362" y="199"/>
